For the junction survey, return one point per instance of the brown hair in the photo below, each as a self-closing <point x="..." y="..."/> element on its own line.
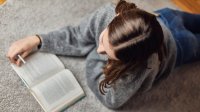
<point x="134" y="34"/>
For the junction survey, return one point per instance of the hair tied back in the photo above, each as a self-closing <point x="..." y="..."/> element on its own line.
<point x="123" y="6"/>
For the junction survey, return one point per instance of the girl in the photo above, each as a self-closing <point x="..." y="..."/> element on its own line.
<point x="128" y="49"/>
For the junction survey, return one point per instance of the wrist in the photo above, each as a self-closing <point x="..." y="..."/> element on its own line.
<point x="38" y="41"/>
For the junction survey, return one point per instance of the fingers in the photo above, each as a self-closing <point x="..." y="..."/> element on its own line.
<point x="8" y="55"/>
<point x="21" y="46"/>
<point x="18" y="62"/>
<point x="12" y="55"/>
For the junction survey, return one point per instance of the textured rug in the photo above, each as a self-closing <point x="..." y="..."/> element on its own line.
<point x="180" y="92"/>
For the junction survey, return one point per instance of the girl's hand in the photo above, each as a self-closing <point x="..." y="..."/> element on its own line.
<point x="23" y="47"/>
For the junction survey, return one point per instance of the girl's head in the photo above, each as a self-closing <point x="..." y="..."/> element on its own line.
<point x="130" y="38"/>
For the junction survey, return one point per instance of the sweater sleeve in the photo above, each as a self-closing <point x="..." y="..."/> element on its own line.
<point x="73" y="40"/>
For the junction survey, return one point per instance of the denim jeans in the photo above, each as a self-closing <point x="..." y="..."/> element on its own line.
<point x="185" y="28"/>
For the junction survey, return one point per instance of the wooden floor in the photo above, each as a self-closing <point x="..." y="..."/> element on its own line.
<point x="192" y="6"/>
<point x="2" y="2"/>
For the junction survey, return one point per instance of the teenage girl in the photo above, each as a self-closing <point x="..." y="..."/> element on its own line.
<point x="128" y="49"/>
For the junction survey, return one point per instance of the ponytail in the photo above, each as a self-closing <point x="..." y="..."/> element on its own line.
<point x="123" y="6"/>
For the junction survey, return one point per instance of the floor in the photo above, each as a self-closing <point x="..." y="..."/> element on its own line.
<point x="192" y="6"/>
<point x="180" y="92"/>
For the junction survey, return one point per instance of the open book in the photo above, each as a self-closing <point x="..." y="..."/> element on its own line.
<point x="53" y="86"/>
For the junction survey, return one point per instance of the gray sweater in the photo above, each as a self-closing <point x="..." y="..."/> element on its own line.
<point x="82" y="40"/>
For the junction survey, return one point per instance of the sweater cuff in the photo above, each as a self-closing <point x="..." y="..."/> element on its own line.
<point x="44" y="42"/>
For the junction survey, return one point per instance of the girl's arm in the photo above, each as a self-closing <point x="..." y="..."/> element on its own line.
<point x="69" y="40"/>
<point x="76" y="40"/>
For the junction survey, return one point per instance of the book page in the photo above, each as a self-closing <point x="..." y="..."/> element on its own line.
<point x="59" y="91"/>
<point x="38" y="67"/>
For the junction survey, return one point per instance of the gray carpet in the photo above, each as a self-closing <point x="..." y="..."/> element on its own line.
<point x="18" y="18"/>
